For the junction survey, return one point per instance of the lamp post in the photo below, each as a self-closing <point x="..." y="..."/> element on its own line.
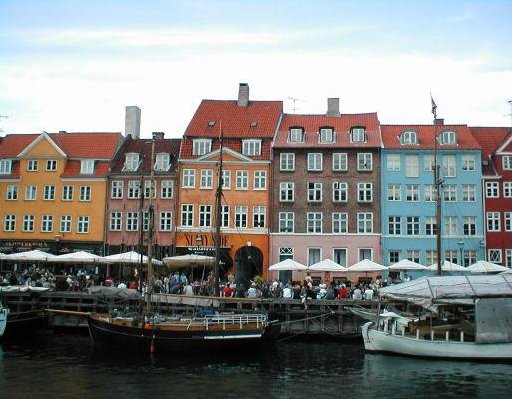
<point x="461" y="247"/>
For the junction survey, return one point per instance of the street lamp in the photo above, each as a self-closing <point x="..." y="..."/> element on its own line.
<point x="461" y="247"/>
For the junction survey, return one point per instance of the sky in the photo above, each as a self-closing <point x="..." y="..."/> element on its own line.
<point x="74" y="65"/>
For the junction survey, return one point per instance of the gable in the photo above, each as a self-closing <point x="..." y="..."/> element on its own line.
<point x="42" y="147"/>
<point x="227" y="156"/>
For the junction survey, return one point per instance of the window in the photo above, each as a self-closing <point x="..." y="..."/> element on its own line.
<point x="287" y="162"/>
<point x="449" y="166"/>
<point x="314" y="221"/>
<point x="507" y="189"/>
<point x="507" y="162"/>
<point x="51" y="165"/>
<point x="31" y="193"/>
<point x="394" y="225"/>
<point x="413" y="255"/>
<point x="364" y="162"/>
<point x="285" y="253"/>
<point x="131" y="162"/>
<point x="87" y="166"/>
<point x="32" y="165"/>
<point x="492" y="190"/>
<point x="258" y="216"/>
<point x="201" y="146"/>
<point x="241" y="216"/>
<point x="339" y="255"/>
<point x="85" y="193"/>
<point x="116" y="221"/>
<point x="508" y="254"/>
<point x="507" y="216"/>
<point x="408" y="137"/>
<point x="28" y="223"/>
<point x="364" y="192"/>
<point x="187" y="215"/>
<point x="393" y="256"/>
<point x="206" y="178"/>
<point x="450" y="193"/>
<point x="251" y="148"/>
<point x="412" y="165"/>
<point x="286" y="192"/>
<point x="165" y="221"/>
<point x="430" y="226"/>
<point x="46" y="223"/>
<point x="413" y="225"/>
<point x="132" y="221"/>
<point x="326" y="135"/>
<point x="493" y="221"/>
<point x="469" y="257"/>
<point x="286" y="222"/>
<point x="451" y="255"/>
<point x="314" y="255"/>
<point x="296" y="135"/>
<point x="9" y="222"/>
<point x="365" y="223"/>
<point x="412" y="193"/>
<point x="117" y="189"/>
<point x="365" y="253"/>
<point x="83" y="224"/>
<point x="314" y="192"/>
<point x="339" y="223"/>
<point x="339" y="162"/>
<point x="450" y="226"/>
<point x="339" y="192"/>
<point x="260" y="180"/>
<point x="448" y="138"/>
<point x="5" y="166"/>
<point x="205" y="216"/>
<point x="226" y="179"/>
<point x="431" y="257"/>
<point x="224" y="216"/>
<point x="315" y="163"/>
<point x="394" y="192"/>
<point x="428" y="163"/>
<point x="468" y="192"/>
<point x="430" y="193"/>
<point x="393" y="162"/>
<point x="357" y="135"/>
<point x="494" y="255"/>
<point x="133" y="189"/>
<point x="49" y="193"/>
<point x="146" y="220"/>
<point x="12" y="193"/>
<point x="242" y="180"/>
<point x="470" y="226"/>
<point x="167" y="189"/>
<point x="67" y="193"/>
<point x="468" y="163"/>
<point x="162" y="162"/>
<point x="189" y="178"/>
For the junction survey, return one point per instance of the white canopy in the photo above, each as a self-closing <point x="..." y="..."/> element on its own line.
<point x="189" y="260"/>
<point x="130" y="257"/>
<point x="448" y="266"/>
<point x="327" y="265"/>
<point x="483" y="266"/>
<point x="29" y="256"/>
<point x="367" y="265"/>
<point x="287" y="264"/>
<point x="406" y="264"/>
<point x="77" y="257"/>
<point x="508" y="271"/>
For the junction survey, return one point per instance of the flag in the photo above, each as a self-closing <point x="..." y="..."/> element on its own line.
<point x="434" y="106"/>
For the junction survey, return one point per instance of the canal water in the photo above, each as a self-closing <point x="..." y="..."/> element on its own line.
<point x="53" y="366"/>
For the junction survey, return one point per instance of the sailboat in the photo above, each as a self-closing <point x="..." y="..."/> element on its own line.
<point x="153" y="332"/>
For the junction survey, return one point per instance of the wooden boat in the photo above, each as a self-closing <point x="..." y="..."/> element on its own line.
<point x="459" y="317"/>
<point x="4" y="313"/>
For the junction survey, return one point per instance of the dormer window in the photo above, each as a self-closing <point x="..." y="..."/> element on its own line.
<point x="87" y="166"/>
<point x="357" y="135"/>
<point x="211" y="123"/>
<point x="326" y="135"/>
<point x="409" y="137"/>
<point x="5" y="166"/>
<point x="296" y="135"/>
<point x="251" y="148"/>
<point x="162" y="162"/>
<point x="254" y="123"/>
<point x="131" y="163"/>
<point x="448" y="138"/>
<point x="201" y="146"/>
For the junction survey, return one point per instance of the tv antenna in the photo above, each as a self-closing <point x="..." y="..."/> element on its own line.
<point x="295" y="101"/>
<point x="2" y="116"/>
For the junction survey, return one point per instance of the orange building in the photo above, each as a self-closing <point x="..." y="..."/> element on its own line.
<point x="53" y="190"/>
<point x="247" y="128"/>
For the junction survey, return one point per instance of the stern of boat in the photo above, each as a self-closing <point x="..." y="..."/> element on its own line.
<point x="366" y="331"/>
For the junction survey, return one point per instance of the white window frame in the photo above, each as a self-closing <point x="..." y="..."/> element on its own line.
<point x="468" y="193"/>
<point x="507" y="189"/>
<point x="162" y="162"/>
<point x="260" y="180"/>
<point x="326" y="135"/>
<point x="132" y="221"/>
<point x="339" y="223"/>
<point x="506" y="162"/>
<point x="83" y="225"/>
<point x="242" y="180"/>
<point x="5" y="166"/>
<point x="187" y="215"/>
<point x="67" y="193"/>
<point x="311" y="259"/>
<point x="412" y="192"/>
<point x="394" y="192"/>
<point x="206" y="179"/>
<point x="364" y="192"/>
<point x="134" y="189"/>
<point x="469" y="163"/>
<point x="31" y="192"/>
<point x="492" y="189"/>
<point x="189" y="178"/>
<point x="450" y="193"/>
<point x="87" y="166"/>
<point x="251" y="147"/>
<point x="201" y="146"/>
<point x="393" y="162"/>
<point x="339" y="162"/>
<point x="28" y="223"/>
<point x="225" y="216"/>
<point x="412" y="225"/>
<point x="167" y="189"/>
<point x="259" y="216"/>
<point x="296" y="135"/>
<point x="11" y="193"/>
<point x="469" y="228"/>
<point x="428" y="162"/>
<point x="451" y="226"/>
<point x="412" y="166"/>
<point x="409" y="137"/>
<point x="9" y="223"/>
<point x="339" y="189"/>
<point x="495" y="255"/>
<point x="286" y="218"/>
<point x="364" y="162"/>
<point x="287" y="162"/>
<point x="315" y="222"/>
<point x="32" y="165"/>
<point x="131" y="162"/>
<point x="205" y="215"/>
<point x="241" y="216"/>
<point x="49" y="192"/>
<point x="365" y="222"/>
<point x="357" y="134"/>
<point x="85" y="194"/>
<point x="493" y="221"/>
<point x="315" y="162"/>
<point x="65" y="223"/>
<point x="226" y="179"/>
<point x="286" y="188"/>
<point x="315" y="192"/>
<point x="165" y="221"/>
<point x="117" y="189"/>
<point x="448" y="137"/>
<point x="394" y="225"/>
<point x="450" y="166"/>
<point x="51" y="165"/>
<point x="116" y="221"/>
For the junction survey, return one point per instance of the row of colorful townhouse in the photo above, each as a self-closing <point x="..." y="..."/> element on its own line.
<point x="307" y="187"/>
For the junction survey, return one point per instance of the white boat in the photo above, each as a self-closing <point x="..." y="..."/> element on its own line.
<point x="4" y="312"/>
<point x="458" y="317"/>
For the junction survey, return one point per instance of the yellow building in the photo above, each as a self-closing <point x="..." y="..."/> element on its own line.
<point x="53" y="190"/>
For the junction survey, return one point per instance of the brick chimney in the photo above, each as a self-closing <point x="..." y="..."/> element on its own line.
<point x="333" y="107"/>
<point x="439" y="121"/>
<point x="243" y="95"/>
<point x="132" y="122"/>
<point x="158" y="135"/>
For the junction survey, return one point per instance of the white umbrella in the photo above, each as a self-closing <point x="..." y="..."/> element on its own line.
<point x="366" y="265"/>
<point x="448" y="266"/>
<point x="483" y="266"/>
<point x="189" y="260"/>
<point x="406" y="264"/>
<point x="327" y="265"/>
<point x="287" y="264"/>
<point x="130" y="257"/>
<point x="30" y="256"/>
<point x="77" y="257"/>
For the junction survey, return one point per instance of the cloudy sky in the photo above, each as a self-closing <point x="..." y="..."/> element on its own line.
<point x="74" y="64"/>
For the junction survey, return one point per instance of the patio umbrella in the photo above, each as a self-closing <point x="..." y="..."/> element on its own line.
<point x="287" y="264"/>
<point x="448" y="266"/>
<point x="29" y="256"/>
<point x="76" y="257"/>
<point x="176" y="262"/>
<point x="327" y="265"/>
<point x="130" y="257"/>
<point x="483" y="266"/>
<point x="366" y="265"/>
<point x="406" y="264"/>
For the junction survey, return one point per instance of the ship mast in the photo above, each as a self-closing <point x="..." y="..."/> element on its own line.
<point x="149" y="288"/>
<point x="437" y="185"/>
<point x="218" y="216"/>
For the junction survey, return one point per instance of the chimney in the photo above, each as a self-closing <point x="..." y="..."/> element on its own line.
<point x="158" y="135"/>
<point x="439" y="121"/>
<point x="132" y="122"/>
<point x="333" y="107"/>
<point x="62" y="132"/>
<point x="243" y="95"/>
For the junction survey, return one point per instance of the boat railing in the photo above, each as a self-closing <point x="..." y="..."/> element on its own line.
<point x="236" y="319"/>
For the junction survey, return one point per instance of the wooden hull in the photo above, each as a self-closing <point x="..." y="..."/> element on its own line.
<point x="380" y="341"/>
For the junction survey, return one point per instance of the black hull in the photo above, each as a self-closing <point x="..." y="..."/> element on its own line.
<point x="24" y="323"/>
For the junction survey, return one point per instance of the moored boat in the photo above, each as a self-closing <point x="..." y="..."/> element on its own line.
<point x="4" y="313"/>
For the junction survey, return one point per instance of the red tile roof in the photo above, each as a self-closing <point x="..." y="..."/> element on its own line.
<point x="236" y="121"/>
<point x="391" y="136"/>
<point x="341" y="124"/>
<point x="12" y="144"/>
<point x="490" y="138"/>
<point x="72" y="169"/>
<point x="232" y="144"/>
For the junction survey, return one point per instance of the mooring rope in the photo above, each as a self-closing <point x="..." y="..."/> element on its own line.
<point x="307" y="318"/>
